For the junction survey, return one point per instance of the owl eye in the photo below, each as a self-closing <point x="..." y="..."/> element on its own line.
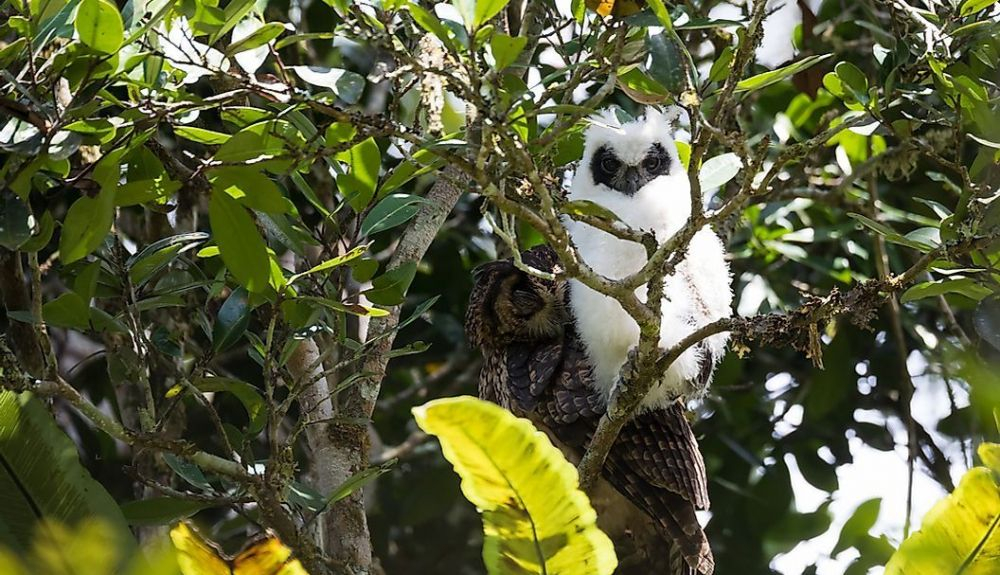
<point x="610" y="164"/>
<point x="652" y="163"/>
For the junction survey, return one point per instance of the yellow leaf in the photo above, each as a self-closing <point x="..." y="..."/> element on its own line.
<point x="535" y="518"/>
<point x="959" y="534"/>
<point x="197" y="556"/>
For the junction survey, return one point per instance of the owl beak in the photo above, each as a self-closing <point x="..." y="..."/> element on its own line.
<point x="632" y="180"/>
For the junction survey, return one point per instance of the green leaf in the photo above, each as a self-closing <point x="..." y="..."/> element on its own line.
<point x="87" y="222"/>
<point x="640" y="87"/>
<point x="250" y="187"/>
<point x="240" y="244"/>
<point x="159" y="254"/>
<point x="430" y="23"/>
<point x="858" y="525"/>
<point x="296" y="38"/>
<point x="890" y="234"/>
<point x="965" y="286"/>
<point x="358" y="184"/>
<point x="390" y="287"/>
<point x="347" y="85"/>
<point x="351" y="308"/>
<point x="257" y="38"/>
<point x="535" y="517"/>
<point x="506" y="49"/>
<point x="100" y="26"/>
<point x="331" y="263"/>
<point x="666" y="67"/>
<point x="485" y="9"/>
<point x="722" y="65"/>
<point x="41" y="477"/>
<point x="41" y="237"/>
<point x="392" y="211"/>
<point x="14" y="222"/>
<point x="717" y="171"/>
<point x="660" y="10"/>
<point x="247" y="394"/>
<point x="160" y="510"/>
<point x="969" y="7"/>
<point x="358" y="480"/>
<point x="767" y="78"/>
<point x="232" y="321"/>
<point x="68" y="310"/>
<point x="258" y="142"/>
<point x="201" y="135"/>
<point x="958" y="535"/>
<point x="99" y="128"/>
<point x="854" y="79"/>
<point x="187" y="471"/>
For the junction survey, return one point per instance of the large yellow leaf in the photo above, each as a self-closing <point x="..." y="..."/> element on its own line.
<point x="960" y="533"/>
<point x="196" y="556"/>
<point x="535" y="518"/>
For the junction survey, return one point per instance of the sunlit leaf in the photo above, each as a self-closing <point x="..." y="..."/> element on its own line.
<point x="100" y="25"/>
<point x="535" y="518"/>
<point x="717" y="171"/>
<point x="959" y="534"/>
<point x="767" y="78"/>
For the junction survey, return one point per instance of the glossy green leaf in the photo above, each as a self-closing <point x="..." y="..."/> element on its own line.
<point x="331" y="263"/>
<point x="767" y="78"/>
<point x="232" y="321"/>
<point x="358" y="480"/>
<point x="201" y="135"/>
<point x="68" y="310"/>
<point x="969" y="7"/>
<point x="506" y="49"/>
<point x="717" y="171"/>
<point x="161" y="253"/>
<point x="250" y="187"/>
<point x="347" y="85"/>
<point x="390" y="287"/>
<point x="965" y="286"/>
<point x="240" y="244"/>
<point x="15" y="228"/>
<point x="535" y="517"/>
<point x="247" y="394"/>
<point x="99" y="25"/>
<point x="666" y="67"/>
<point x="392" y="211"/>
<point x="358" y="184"/>
<point x="257" y="38"/>
<point x="343" y="307"/>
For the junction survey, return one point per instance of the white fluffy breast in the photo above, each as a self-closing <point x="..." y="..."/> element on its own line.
<point x="698" y="293"/>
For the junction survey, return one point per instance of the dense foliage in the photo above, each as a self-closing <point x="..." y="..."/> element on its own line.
<point x="217" y="222"/>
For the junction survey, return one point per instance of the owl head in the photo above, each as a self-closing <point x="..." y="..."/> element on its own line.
<point x="625" y="156"/>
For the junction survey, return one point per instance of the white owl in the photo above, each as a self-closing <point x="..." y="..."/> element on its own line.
<point x="633" y="170"/>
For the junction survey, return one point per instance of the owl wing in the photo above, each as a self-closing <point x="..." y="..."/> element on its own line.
<point x="655" y="462"/>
